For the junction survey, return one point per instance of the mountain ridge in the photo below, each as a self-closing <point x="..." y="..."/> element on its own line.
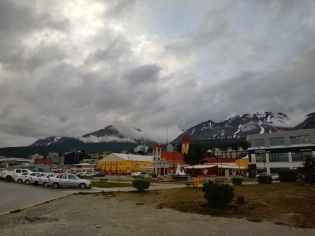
<point x="233" y="128"/>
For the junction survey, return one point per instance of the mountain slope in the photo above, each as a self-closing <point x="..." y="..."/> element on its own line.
<point x="238" y="126"/>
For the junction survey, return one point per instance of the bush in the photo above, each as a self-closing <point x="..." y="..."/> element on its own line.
<point x="141" y="184"/>
<point x="240" y="200"/>
<point x="237" y="181"/>
<point x="287" y="175"/>
<point x="264" y="179"/>
<point x="217" y="195"/>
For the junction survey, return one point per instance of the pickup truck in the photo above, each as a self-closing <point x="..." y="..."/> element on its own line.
<point x="9" y="175"/>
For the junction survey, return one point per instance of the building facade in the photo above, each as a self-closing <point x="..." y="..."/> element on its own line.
<point x="119" y="163"/>
<point x="288" y="149"/>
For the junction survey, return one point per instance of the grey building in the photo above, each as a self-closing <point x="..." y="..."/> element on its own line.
<point x="287" y="149"/>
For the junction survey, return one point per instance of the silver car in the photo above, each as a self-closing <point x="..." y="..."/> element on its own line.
<point x="68" y="180"/>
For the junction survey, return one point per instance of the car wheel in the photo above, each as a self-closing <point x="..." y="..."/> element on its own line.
<point x="82" y="186"/>
<point x="19" y="181"/>
<point x="27" y="182"/>
<point x="45" y="185"/>
<point x="55" y="185"/>
<point x="8" y="179"/>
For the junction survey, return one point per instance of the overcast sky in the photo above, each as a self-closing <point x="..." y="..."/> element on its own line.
<point x="68" y="68"/>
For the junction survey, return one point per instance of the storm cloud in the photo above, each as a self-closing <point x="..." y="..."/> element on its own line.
<point x="68" y="68"/>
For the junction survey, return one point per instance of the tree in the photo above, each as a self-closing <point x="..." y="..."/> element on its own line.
<point x="195" y="157"/>
<point x="309" y="167"/>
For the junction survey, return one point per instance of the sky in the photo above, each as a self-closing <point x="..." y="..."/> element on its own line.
<point x="72" y="67"/>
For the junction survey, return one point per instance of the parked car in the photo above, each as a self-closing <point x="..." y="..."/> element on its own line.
<point x="68" y="180"/>
<point x="43" y="180"/>
<point x="143" y="174"/>
<point x="263" y="173"/>
<point x="20" y="178"/>
<point x="88" y="175"/>
<point x="31" y="178"/>
<point x="275" y="176"/>
<point x="99" y="174"/>
<point x="10" y="174"/>
<point x="135" y="174"/>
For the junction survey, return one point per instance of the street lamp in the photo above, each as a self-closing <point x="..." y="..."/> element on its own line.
<point x="264" y="160"/>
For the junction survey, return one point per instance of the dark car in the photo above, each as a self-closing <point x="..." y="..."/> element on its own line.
<point x="99" y="174"/>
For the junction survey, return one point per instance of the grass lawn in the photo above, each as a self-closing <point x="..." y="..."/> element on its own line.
<point x="110" y="184"/>
<point x="290" y="204"/>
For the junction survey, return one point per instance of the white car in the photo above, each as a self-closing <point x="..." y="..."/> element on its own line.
<point x="43" y="180"/>
<point x="20" y="178"/>
<point x="275" y="176"/>
<point x="263" y="173"/>
<point x="31" y="178"/>
<point x="68" y="180"/>
<point x="135" y="174"/>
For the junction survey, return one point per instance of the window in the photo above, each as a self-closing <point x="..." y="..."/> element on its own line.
<point x="250" y="144"/>
<point x="63" y="176"/>
<point x="260" y="158"/>
<point x="300" y="139"/>
<point x="145" y="164"/>
<point x="276" y="141"/>
<point x="300" y="156"/>
<point x="72" y="177"/>
<point x="278" y="157"/>
<point x="259" y="142"/>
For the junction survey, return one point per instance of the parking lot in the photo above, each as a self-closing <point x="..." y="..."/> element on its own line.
<point x="14" y="195"/>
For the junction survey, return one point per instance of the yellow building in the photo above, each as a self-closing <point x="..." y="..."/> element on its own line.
<point x="119" y="163"/>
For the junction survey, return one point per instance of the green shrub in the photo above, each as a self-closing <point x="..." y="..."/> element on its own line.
<point x="287" y="175"/>
<point x="217" y="195"/>
<point x="264" y="179"/>
<point x="154" y="175"/>
<point x="141" y="184"/>
<point x="237" y="181"/>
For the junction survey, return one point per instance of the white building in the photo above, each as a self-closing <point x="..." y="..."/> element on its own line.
<point x="288" y="149"/>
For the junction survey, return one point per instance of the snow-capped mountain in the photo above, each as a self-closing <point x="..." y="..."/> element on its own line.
<point x="109" y="130"/>
<point x="241" y="126"/>
<point x="233" y="128"/>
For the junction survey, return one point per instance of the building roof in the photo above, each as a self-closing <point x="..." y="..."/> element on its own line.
<point x="126" y="157"/>
<point x="200" y="166"/>
<point x="156" y="145"/>
<point x="172" y="157"/>
<point x="185" y="139"/>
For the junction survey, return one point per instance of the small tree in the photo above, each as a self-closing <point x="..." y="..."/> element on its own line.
<point x="309" y="168"/>
<point x="141" y="184"/>
<point x="264" y="179"/>
<point x="287" y="175"/>
<point x="195" y="157"/>
<point x="237" y="181"/>
<point x="217" y="195"/>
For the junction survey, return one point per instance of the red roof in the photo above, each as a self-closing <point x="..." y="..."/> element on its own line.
<point x="185" y="139"/>
<point x="172" y="157"/>
<point x="218" y="160"/>
<point x="156" y="145"/>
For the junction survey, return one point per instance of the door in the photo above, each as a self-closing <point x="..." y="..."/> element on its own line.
<point x="73" y="181"/>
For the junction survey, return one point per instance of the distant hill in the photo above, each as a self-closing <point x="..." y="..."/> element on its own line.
<point x="109" y="139"/>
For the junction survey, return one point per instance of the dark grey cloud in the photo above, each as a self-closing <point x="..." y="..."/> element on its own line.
<point x="68" y="68"/>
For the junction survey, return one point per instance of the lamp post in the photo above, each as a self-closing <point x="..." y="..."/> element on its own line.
<point x="264" y="160"/>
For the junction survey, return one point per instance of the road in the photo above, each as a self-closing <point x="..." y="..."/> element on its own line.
<point x="14" y="195"/>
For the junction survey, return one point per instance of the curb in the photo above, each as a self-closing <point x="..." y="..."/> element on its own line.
<point x="36" y="204"/>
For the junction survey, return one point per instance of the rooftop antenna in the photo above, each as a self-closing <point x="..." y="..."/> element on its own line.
<point x="167" y="135"/>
